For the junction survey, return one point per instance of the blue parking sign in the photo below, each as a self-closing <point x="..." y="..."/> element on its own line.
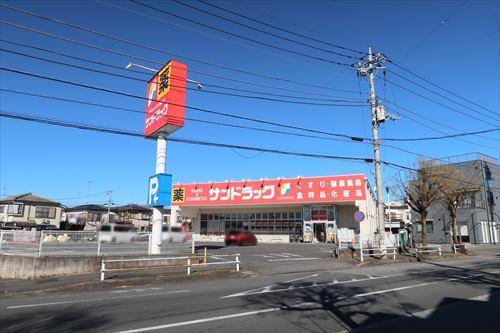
<point x="159" y="190"/>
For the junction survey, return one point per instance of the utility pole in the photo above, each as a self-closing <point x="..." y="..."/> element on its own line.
<point x="109" y="205"/>
<point x="378" y="116"/>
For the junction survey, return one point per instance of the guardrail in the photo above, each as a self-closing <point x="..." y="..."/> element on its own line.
<point x="381" y="252"/>
<point x="428" y="249"/>
<point x="237" y="261"/>
<point x="190" y="265"/>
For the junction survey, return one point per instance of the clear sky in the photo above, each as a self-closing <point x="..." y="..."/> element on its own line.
<point x="462" y="54"/>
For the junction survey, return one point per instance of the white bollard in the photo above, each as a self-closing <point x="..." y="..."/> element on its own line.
<point x="439" y="250"/>
<point x="98" y="245"/>
<point x="189" y="266"/>
<point x="237" y="263"/>
<point x="192" y="243"/>
<point x="103" y="269"/>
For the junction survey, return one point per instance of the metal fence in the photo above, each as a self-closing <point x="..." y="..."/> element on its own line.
<point x="80" y="243"/>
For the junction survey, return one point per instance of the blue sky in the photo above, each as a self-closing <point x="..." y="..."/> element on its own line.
<point x="59" y="163"/>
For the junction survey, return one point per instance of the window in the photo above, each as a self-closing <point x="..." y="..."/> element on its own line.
<point x="15" y="209"/>
<point x="2" y="208"/>
<point x="429" y="227"/>
<point x="45" y="212"/>
<point x="145" y="216"/>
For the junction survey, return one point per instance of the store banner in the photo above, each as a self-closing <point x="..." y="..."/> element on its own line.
<point x="275" y="191"/>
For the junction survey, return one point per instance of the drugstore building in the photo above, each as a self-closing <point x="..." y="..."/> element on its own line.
<point x="309" y="209"/>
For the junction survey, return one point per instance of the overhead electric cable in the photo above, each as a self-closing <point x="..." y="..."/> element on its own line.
<point x="218" y="123"/>
<point x="57" y="122"/>
<point x="264" y="31"/>
<point x="234" y="69"/>
<point x="69" y="56"/>
<point x="177" y="86"/>
<point x="441" y="104"/>
<point x="81" y="126"/>
<point x="281" y="29"/>
<point x="243" y="37"/>
<point x="441" y="95"/>
<point x="439" y="86"/>
<point x="106" y="90"/>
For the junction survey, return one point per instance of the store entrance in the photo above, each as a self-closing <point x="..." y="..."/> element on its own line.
<point x="319" y="232"/>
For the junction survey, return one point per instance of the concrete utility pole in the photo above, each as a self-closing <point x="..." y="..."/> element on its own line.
<point x="109" y="205"/>
<point x="161" y="167"/>
<point x="376" y="152"/>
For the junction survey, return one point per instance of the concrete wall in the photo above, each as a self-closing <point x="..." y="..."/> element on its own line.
<point x="23" y="267"/>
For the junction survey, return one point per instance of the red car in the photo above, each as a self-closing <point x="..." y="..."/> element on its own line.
<point x="240" y="238"/>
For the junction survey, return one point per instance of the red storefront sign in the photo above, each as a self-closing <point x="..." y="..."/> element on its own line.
<point x="275" y="191"/>
<point x="166" y="100"/>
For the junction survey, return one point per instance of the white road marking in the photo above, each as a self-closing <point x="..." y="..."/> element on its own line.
<point x="263" y="255"/>
<point x="293" y="259"/>
<point x="291" y="254"/>
<point x="301" y="278"/>
<point x="205" y="320"/>
<point x="426" y="313"/>
<point x="133" y="290"/>
<point x="394" y="289"/>
<point x="279" y="255"/>
<point x="92" y="300"/>
<point x="267" y="290"/>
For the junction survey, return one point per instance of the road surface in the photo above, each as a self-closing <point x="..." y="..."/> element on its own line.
<point x="452" y="295"/>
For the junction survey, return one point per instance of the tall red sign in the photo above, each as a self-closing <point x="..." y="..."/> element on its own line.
<point x="275" y="191"/>
<point x="166" y="100"/>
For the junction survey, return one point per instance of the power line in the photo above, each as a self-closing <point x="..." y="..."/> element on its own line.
<point x="435" y="122"/>
<point x="93" y="128"/>
<point x="81" y="126"/>
<point x="243" y="37"/>
<point x="281" y="29"/>
<point x="188" y="88"/>
<point x="348" y="99"/>
<point x="436" y="28"/>
<point x="438" y="86"/>
<point x="441" y="104"/>
<point x="438" y="94"/>
<point x="186" y="106"/>
<point x="238" y="70"/>
<point x="276" y="124"/>
<point x="107" y="106"/>
<point x="132" y="56"/>
<point x="260" y="30"/>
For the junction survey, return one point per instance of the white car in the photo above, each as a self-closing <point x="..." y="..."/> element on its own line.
<point x="116" y="233"/>
<point x="173" y="234"/>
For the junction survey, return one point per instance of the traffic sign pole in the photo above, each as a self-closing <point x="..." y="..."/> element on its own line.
<point x="161" y="165"/>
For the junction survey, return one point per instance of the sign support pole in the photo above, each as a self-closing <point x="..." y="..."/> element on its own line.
<point x="161" y="163"/>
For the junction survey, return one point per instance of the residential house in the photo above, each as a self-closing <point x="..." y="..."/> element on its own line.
<point x="29" y="211"/>
<point x="478" y="218"/>
<point x="136" y="215"/>
<point x="88" y="217"/>
<point x="397" y="216"/>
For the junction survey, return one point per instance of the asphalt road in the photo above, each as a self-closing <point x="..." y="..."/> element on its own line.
<point x="453" y="295"/>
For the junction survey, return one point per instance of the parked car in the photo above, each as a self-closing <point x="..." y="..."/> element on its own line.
<point x="116" y="233"/>
<point x="240" y="238"/>
<point x="173" y="234"/>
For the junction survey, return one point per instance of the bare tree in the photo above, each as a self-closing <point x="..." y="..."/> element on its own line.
<point x="420" y="190"/>
<point x="456" y="187"/>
